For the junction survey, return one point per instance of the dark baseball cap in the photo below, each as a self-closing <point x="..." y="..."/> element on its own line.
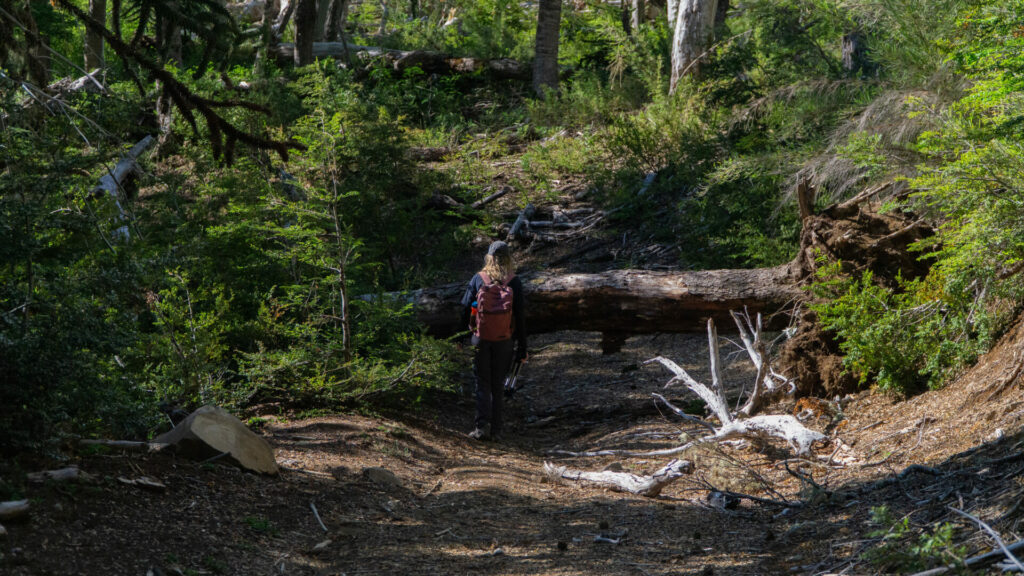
<point x="498" y="247"/>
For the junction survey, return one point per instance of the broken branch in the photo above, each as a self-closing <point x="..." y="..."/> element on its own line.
<point x="649" y="486"/>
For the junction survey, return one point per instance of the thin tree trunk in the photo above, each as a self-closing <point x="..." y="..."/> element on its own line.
<point x="343" y="258"/>
<point x="383" y="17"/>
<point x="637" y="15"/>
<point x="694" y="24"/>
<point x="285" y="16"/>
<point x="855" y="54"/>
<point x="323" y="8"/>
<point x="93" y="41"/>
<point x="305" y="24"/>
<point x="545" y="62"/>
<point x="336" y="20"/>
<point x="38" y="59"/>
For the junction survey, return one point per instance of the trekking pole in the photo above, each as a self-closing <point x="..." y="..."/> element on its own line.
<point x="513" y="376"/>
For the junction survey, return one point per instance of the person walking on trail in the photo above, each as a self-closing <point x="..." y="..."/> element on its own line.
<point x="493" y="307"/>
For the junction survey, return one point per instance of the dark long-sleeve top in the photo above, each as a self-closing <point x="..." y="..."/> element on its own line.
<point x="518" y="307"/>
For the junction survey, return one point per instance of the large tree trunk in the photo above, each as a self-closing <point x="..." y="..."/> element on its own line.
<point x="93" y="40"/>
<point x="694" y="24"/>
<point x="305" y="30"/>
<point x="628" y="301"/>
<point x="721" y="12"/>
<point x="545" y="62"/>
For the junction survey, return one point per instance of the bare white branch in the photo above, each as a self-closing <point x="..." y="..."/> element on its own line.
<point x="649" y="486"/>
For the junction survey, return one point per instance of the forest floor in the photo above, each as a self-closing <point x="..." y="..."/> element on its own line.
<point x="407" y="492"/>
<point x="458" y="506"/>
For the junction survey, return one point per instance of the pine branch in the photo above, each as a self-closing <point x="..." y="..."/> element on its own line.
<point x="223" y="134"/>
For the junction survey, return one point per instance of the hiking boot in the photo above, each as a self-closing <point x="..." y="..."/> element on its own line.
<point x="478" y="434"/>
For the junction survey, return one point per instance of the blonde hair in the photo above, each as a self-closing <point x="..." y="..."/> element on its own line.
<point x="498" y="267"/>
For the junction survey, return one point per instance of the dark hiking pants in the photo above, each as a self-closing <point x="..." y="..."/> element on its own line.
<point x="491" y="365"/>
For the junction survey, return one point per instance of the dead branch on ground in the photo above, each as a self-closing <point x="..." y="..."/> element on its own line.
<point x="742" y="423"/>
<point x="649" y="486"/>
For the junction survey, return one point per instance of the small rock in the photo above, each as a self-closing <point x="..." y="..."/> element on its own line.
<point x="3" y="531"/>
<point x="614" y="467"/>
<point x="322" y="546"/>
<point x="381" y="476"/>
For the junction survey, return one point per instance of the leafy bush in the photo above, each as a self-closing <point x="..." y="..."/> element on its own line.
<point x="972" y="189"/>
<point x="899" y="550"/>
<point x="903" y="339"/>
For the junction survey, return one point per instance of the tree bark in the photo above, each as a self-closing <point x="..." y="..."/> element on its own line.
<point x="721" y="12"/>
<point x="637" y="13"/>
<point x="323" y="11"/>
<point x="336" y="22"/>
<point x="93" y="41"/>
<point x="672" y="12"/>
<point x="649" y="486"/>
<point x="627" y="301"/>
<point x="693" y="27"/>
<point x="114" y="181"/>
<point x="545" y="61"/>
<point x="305" y="24"/>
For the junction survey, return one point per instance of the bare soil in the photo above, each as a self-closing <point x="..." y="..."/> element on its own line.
<point x="458" y="506"/>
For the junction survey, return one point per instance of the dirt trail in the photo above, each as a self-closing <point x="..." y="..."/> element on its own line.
<point x="455" y="506"/>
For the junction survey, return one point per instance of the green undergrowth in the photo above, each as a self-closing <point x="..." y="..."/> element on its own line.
<point x="261" y="281"/>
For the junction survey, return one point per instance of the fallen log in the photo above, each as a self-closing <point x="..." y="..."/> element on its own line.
<point x="523" y="221"/>
<point x="114" y="181"/>
<point x="60" y="475"/>
<point x="626" y="301"/>
<point x="484" y="201"/>
<point x="428" y="61"/>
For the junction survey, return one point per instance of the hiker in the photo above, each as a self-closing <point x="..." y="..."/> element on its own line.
<point x="493" y="308"/>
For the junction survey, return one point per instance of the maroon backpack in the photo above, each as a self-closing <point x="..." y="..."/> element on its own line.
<point x="494" y="309"/>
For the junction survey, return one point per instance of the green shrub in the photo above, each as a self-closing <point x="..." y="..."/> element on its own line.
<point x="902" y="339"/>
<point x="903" y="548"/>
